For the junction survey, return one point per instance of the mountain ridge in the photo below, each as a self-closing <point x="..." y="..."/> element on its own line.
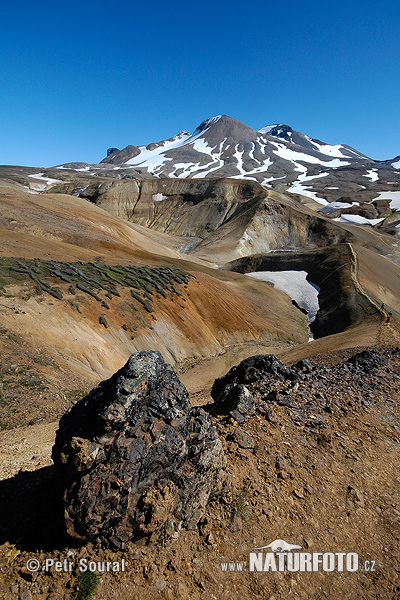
<point x="276" y="156"/>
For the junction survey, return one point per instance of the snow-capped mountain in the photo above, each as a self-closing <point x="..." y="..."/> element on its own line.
<point x="224" y="147"/>
<point x="275" y="156"/>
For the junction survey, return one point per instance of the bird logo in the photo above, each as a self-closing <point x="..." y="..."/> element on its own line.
<point x="280" y="545"/>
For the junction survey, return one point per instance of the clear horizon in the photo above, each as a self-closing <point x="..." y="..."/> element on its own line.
<point x="77" y="80"/>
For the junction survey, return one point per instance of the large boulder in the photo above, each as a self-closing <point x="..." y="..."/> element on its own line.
<point x="135" y="459"/>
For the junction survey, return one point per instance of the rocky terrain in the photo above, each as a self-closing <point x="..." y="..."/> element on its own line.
<point x="311" y="452"/>
<point x="221" y="420"/>
<point x="339" y="181"/>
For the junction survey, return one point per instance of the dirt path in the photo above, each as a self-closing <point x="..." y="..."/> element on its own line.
<point x="388" y="335"/>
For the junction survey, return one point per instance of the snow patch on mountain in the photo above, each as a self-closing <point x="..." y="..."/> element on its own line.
<point x="201" y="146"/>
<point x="357" y="220"/>
<point x="155" y="156"/>
<point x="158" y="197"/>
<point x="394" y="198"/>
<point x="294" y="156"/>
<point x="372" y="175"/>
<point x="266" y="130"/>
<point x="336" y="151"/>
<point x="296" y="286"/>
<point x="298" y="188"/>
<point x="48" y="180"/>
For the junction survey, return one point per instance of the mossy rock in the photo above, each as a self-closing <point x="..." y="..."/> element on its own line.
<point x="56" y="292"/>
<point x="91" y="276"/>
<point x="103" y="321"/>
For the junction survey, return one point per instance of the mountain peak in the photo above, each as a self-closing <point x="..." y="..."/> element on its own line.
<point x="223" y="127"/>
<point x="278" y="130"/>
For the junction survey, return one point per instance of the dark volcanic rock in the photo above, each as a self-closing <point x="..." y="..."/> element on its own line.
<point x="134" y="458"/>
<point x="366" y="361"/>
<point x="243" y="439"/>
<point x="250" y="370"/>
<point x="233" y="398"/>
<point x="235" y="401"/>
<point x="304" y="366"/>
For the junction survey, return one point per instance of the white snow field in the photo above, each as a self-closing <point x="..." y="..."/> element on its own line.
<point x="296" y="286"/>
<point x="394" y="198"/>
<point x="357" y="220"/>
<point x="48" y="180"/>
<point x="42" y="182"/>
<point x="372" y="174"/>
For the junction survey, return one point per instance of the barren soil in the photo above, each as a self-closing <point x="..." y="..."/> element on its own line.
<point x="334" y="489"/>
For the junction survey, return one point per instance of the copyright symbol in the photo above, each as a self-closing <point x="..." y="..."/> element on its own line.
<point x="33" y="565"/>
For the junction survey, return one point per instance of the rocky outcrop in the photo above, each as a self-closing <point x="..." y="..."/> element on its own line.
<point x="231" y="393"/>
<point x="366" y="361"/>
<point x="307" y="391"/>
<point x="115" y="156"/>
<point x="134" y="459"/>
<point x="190" y="208"/>
<point x="112" y="151"/>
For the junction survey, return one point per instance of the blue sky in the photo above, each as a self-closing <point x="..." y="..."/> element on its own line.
<point x="79" y="77"/>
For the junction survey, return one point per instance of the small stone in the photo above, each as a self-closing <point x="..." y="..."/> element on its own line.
<point x="210" y="539"/>
<point x="26" y="595"/>
<point x="298" y="494"/>
<point x="54" y="587"/>
<point x="197" y="562"/>
<point x="270" y="416"/>
<point x="54" y="596"/>
<point x="243" y="439"/>
<point x="356" y="496"/>
<point x="236" y="523"/>
<point x="181" y="590"/>
<point x="160" y="584"/>
<point x="284" y="400"/>
<point x="36" y="420"/>
<point x="27" y="574"/>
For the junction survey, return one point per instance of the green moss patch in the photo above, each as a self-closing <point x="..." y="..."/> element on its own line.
<point x="98" y="280"/>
